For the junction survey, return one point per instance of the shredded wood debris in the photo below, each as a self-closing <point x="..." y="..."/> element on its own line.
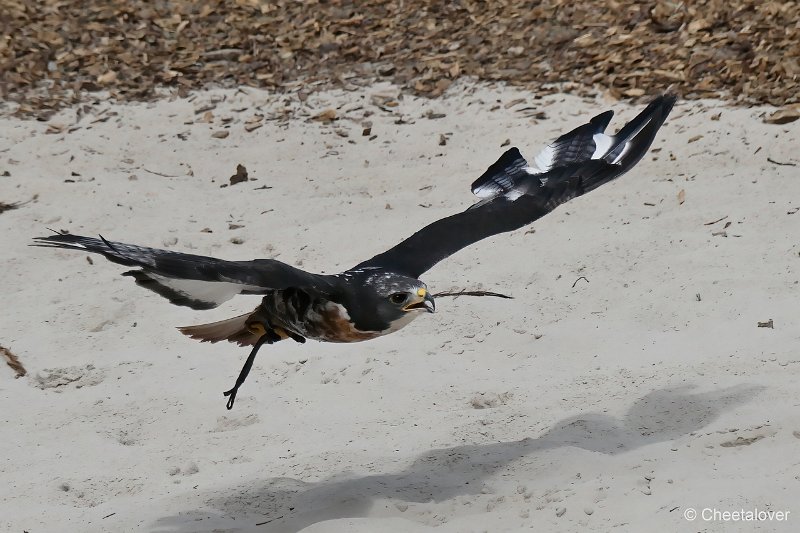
<point x="54" y="54"/>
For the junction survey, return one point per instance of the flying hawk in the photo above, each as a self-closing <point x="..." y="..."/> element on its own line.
<point x="382" y="294"/>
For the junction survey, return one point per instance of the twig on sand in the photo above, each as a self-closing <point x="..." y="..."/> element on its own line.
<point x="781" y="164"/>
<point x="13" y="361"/>
<point x="5" y="206"/>
<point x="465" y="292"/>
<point x="715" y="221"/>
<point x="270" y="520"/>
<point x="158" y="173"/>
<point x="577" y="280"/>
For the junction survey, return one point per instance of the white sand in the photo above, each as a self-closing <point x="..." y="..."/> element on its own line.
<point x="615" y="404"/>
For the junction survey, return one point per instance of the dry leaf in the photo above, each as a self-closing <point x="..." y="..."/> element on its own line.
<point x="783" y="116"/>
<point x="107" y="78"/>
<point x="240" y="176"/>
<point x="13" y="361"/>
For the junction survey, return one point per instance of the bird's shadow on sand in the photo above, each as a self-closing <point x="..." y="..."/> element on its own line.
<point x="287" y="504"/>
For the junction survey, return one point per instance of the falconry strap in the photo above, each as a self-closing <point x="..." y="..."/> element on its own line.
<point x="268" y="337"/>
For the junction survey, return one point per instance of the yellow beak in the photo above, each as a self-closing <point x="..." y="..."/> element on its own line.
<point x="424" y="301"/>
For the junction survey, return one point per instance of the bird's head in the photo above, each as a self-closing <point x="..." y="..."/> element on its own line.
<point x="411" y="297"/>
<point x="399" y="295"/>
<point x="387" y="301"/>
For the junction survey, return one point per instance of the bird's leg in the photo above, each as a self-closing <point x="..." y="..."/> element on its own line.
<point x="295" y="337"/>
<point x="268" y="337"/>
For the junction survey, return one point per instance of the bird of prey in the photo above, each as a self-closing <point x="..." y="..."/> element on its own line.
<point x="382" y="294"/>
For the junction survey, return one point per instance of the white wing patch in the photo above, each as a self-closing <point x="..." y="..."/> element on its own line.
<point x="602" y="144"/>
<point x="211" y="292"/>
<point x="543" y="160"/>
<point x="498" y="184"/>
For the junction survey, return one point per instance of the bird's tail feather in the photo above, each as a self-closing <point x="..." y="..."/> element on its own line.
<point x="637" y="135"/>
<point x="239" y="329"/>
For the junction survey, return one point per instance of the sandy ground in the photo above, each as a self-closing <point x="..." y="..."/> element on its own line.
<point x="616" y="402"/>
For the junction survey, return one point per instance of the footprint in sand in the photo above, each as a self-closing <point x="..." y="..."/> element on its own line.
<point x="488" y="400"/>
<point x="230" y="423"/>
<point x="76" y="377"/>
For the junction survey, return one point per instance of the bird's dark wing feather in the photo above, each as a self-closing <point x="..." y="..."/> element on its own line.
<point x="534" y="196"/>
<point x="574" y="146"/>
<point x="502" y="176"/>
<point x="194" y="281"/>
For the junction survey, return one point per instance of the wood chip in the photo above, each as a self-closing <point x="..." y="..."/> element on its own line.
<point x="328" y="115"/>
<point x="205" y="108"/>
<point x="13" y="361"/>
<point x="512" y="103"/>
<point x="433" y="116"/>
<point x="220" y="134"/>
<point x="55" y="128"/>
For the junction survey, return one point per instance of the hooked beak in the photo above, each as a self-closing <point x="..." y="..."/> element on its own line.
<point x="423" y="301"/>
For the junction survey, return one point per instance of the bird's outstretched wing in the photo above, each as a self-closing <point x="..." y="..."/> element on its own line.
<point x="515" y="193"/>
<point x="194" y="281"/>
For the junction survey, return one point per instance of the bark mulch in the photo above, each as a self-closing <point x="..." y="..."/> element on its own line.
<point x="57" y="52"/>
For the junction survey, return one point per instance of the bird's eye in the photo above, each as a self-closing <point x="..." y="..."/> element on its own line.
<point x="398" y="298"/>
